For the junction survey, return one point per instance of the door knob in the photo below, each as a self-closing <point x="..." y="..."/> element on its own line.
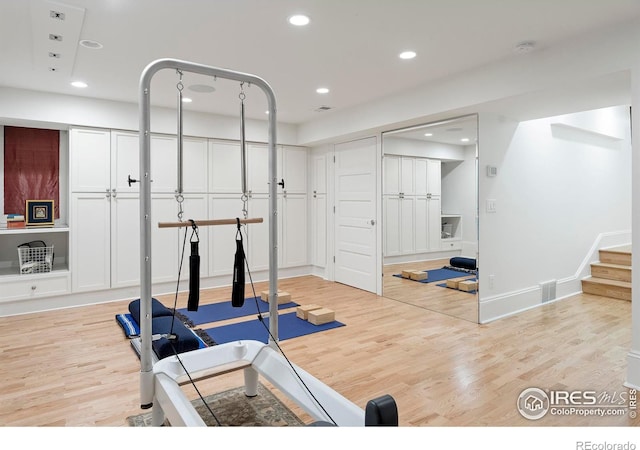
<point x="373" y="222"/>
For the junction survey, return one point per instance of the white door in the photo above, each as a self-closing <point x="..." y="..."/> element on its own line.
<point x="355" y="215"/>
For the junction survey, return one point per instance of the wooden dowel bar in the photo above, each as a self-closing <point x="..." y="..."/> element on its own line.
<point x="208" y="223"/>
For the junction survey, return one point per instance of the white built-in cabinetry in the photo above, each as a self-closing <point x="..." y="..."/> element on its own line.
<point x="100" y="249"/>
<point x="411" y="205"/>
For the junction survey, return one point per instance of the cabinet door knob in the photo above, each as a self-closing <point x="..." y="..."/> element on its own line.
<point x="33" y="288"/>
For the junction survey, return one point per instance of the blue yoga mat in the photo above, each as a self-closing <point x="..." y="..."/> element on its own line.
<point x="215" y="312"/>
<point x="439" y="275"/>
<point x="289" y="326"/>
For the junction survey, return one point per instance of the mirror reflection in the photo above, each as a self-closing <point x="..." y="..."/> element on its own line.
<point x="430" y="237"/>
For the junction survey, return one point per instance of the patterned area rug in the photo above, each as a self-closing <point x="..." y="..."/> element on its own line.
<point x="233" y="408"/>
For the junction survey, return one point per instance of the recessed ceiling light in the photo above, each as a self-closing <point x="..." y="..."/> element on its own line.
<point x="299" y="20"/>
<point x="79" y="84"/>
<point x="267" y="111"/>
<point x="186" y="100"/>
<point x="322" y="90"/>
<point x="93" y="45"/>
<point x="428" y="134"/>
<point x="409" y="54"/>
<point x="465" y="139"/>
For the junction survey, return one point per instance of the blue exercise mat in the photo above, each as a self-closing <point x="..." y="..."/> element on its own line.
<point x="215" y="312"/>
<point x="439" y="275"/>
<point x="289" y="326"/>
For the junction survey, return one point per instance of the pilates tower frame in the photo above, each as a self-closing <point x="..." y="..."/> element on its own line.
<point x="160" y="382"/>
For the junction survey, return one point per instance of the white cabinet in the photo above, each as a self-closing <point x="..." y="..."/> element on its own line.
<point x="105" y="235"/>
<point x="428" y="177"/>
<point x="411" y="205"/>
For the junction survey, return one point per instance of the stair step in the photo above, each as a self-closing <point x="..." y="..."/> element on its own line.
<point x="611" y="271"/>
<point x="616" y="255"/>
<point x="607" y="288"/>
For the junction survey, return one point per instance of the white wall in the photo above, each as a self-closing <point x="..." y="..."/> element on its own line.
<point x="555" y="195"/>
<point x="459" y="196"/>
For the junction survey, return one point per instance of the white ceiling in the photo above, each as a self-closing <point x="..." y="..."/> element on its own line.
<point x="350" y="46"/>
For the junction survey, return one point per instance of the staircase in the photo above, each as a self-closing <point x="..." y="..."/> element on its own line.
<point x="611" y="276"/>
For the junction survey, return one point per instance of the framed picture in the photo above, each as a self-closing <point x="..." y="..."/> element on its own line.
<point x="39" y="212"/>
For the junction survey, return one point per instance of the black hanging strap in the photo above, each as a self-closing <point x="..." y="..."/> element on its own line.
<point x="194" y="270"/>
<point x="237" y="293"/>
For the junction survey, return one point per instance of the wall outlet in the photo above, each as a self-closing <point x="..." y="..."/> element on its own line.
<point x="492" y="279"/>
<point x="491" y="205"/>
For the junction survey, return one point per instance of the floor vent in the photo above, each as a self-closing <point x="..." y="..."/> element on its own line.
<point x="548" y="290"/>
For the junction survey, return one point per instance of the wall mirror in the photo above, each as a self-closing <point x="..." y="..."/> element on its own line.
<point x="430" y="209"/>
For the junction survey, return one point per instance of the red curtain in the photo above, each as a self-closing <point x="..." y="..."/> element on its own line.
<point x="31" y="168"/>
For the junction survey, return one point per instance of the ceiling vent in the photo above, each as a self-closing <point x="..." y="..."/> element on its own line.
<point x="323" y="108"/>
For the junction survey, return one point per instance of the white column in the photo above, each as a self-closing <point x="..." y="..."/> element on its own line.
<point x="633" y="358"/>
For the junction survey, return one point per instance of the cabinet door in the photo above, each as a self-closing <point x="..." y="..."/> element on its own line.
<point x="125" y="161"/>
<point x="319" y="227"/>
<point x="90" y="241"/>
<point x="164" y="164"/>
<point x="407" y="225"/>
<point x="294" y="169"/>
<point x="222" y="243"/>
<point x="421" y="176"/>
<point x="258" y="168"/>
<point x="434" y="224"/>
<point x="319" y="167"/>
<point x="392" y="229"/>
<point x="125" y="240"/>
<point x="407" y="176"/>
<point x="422" y="225"/>
<point x="89" y="162"/>
<point x="434" y="177"/>
<point x="258" y="241"/>
<point x="391" y="174"/>
<point x="225" y="167"/>
<point x="194" y="165"/>
<point x="294" y="230"/>
<point x="164" y="241"/>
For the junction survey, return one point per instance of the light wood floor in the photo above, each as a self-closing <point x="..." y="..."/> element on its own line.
<point x="75" y="367"/>
<point x="428" y="295"/>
